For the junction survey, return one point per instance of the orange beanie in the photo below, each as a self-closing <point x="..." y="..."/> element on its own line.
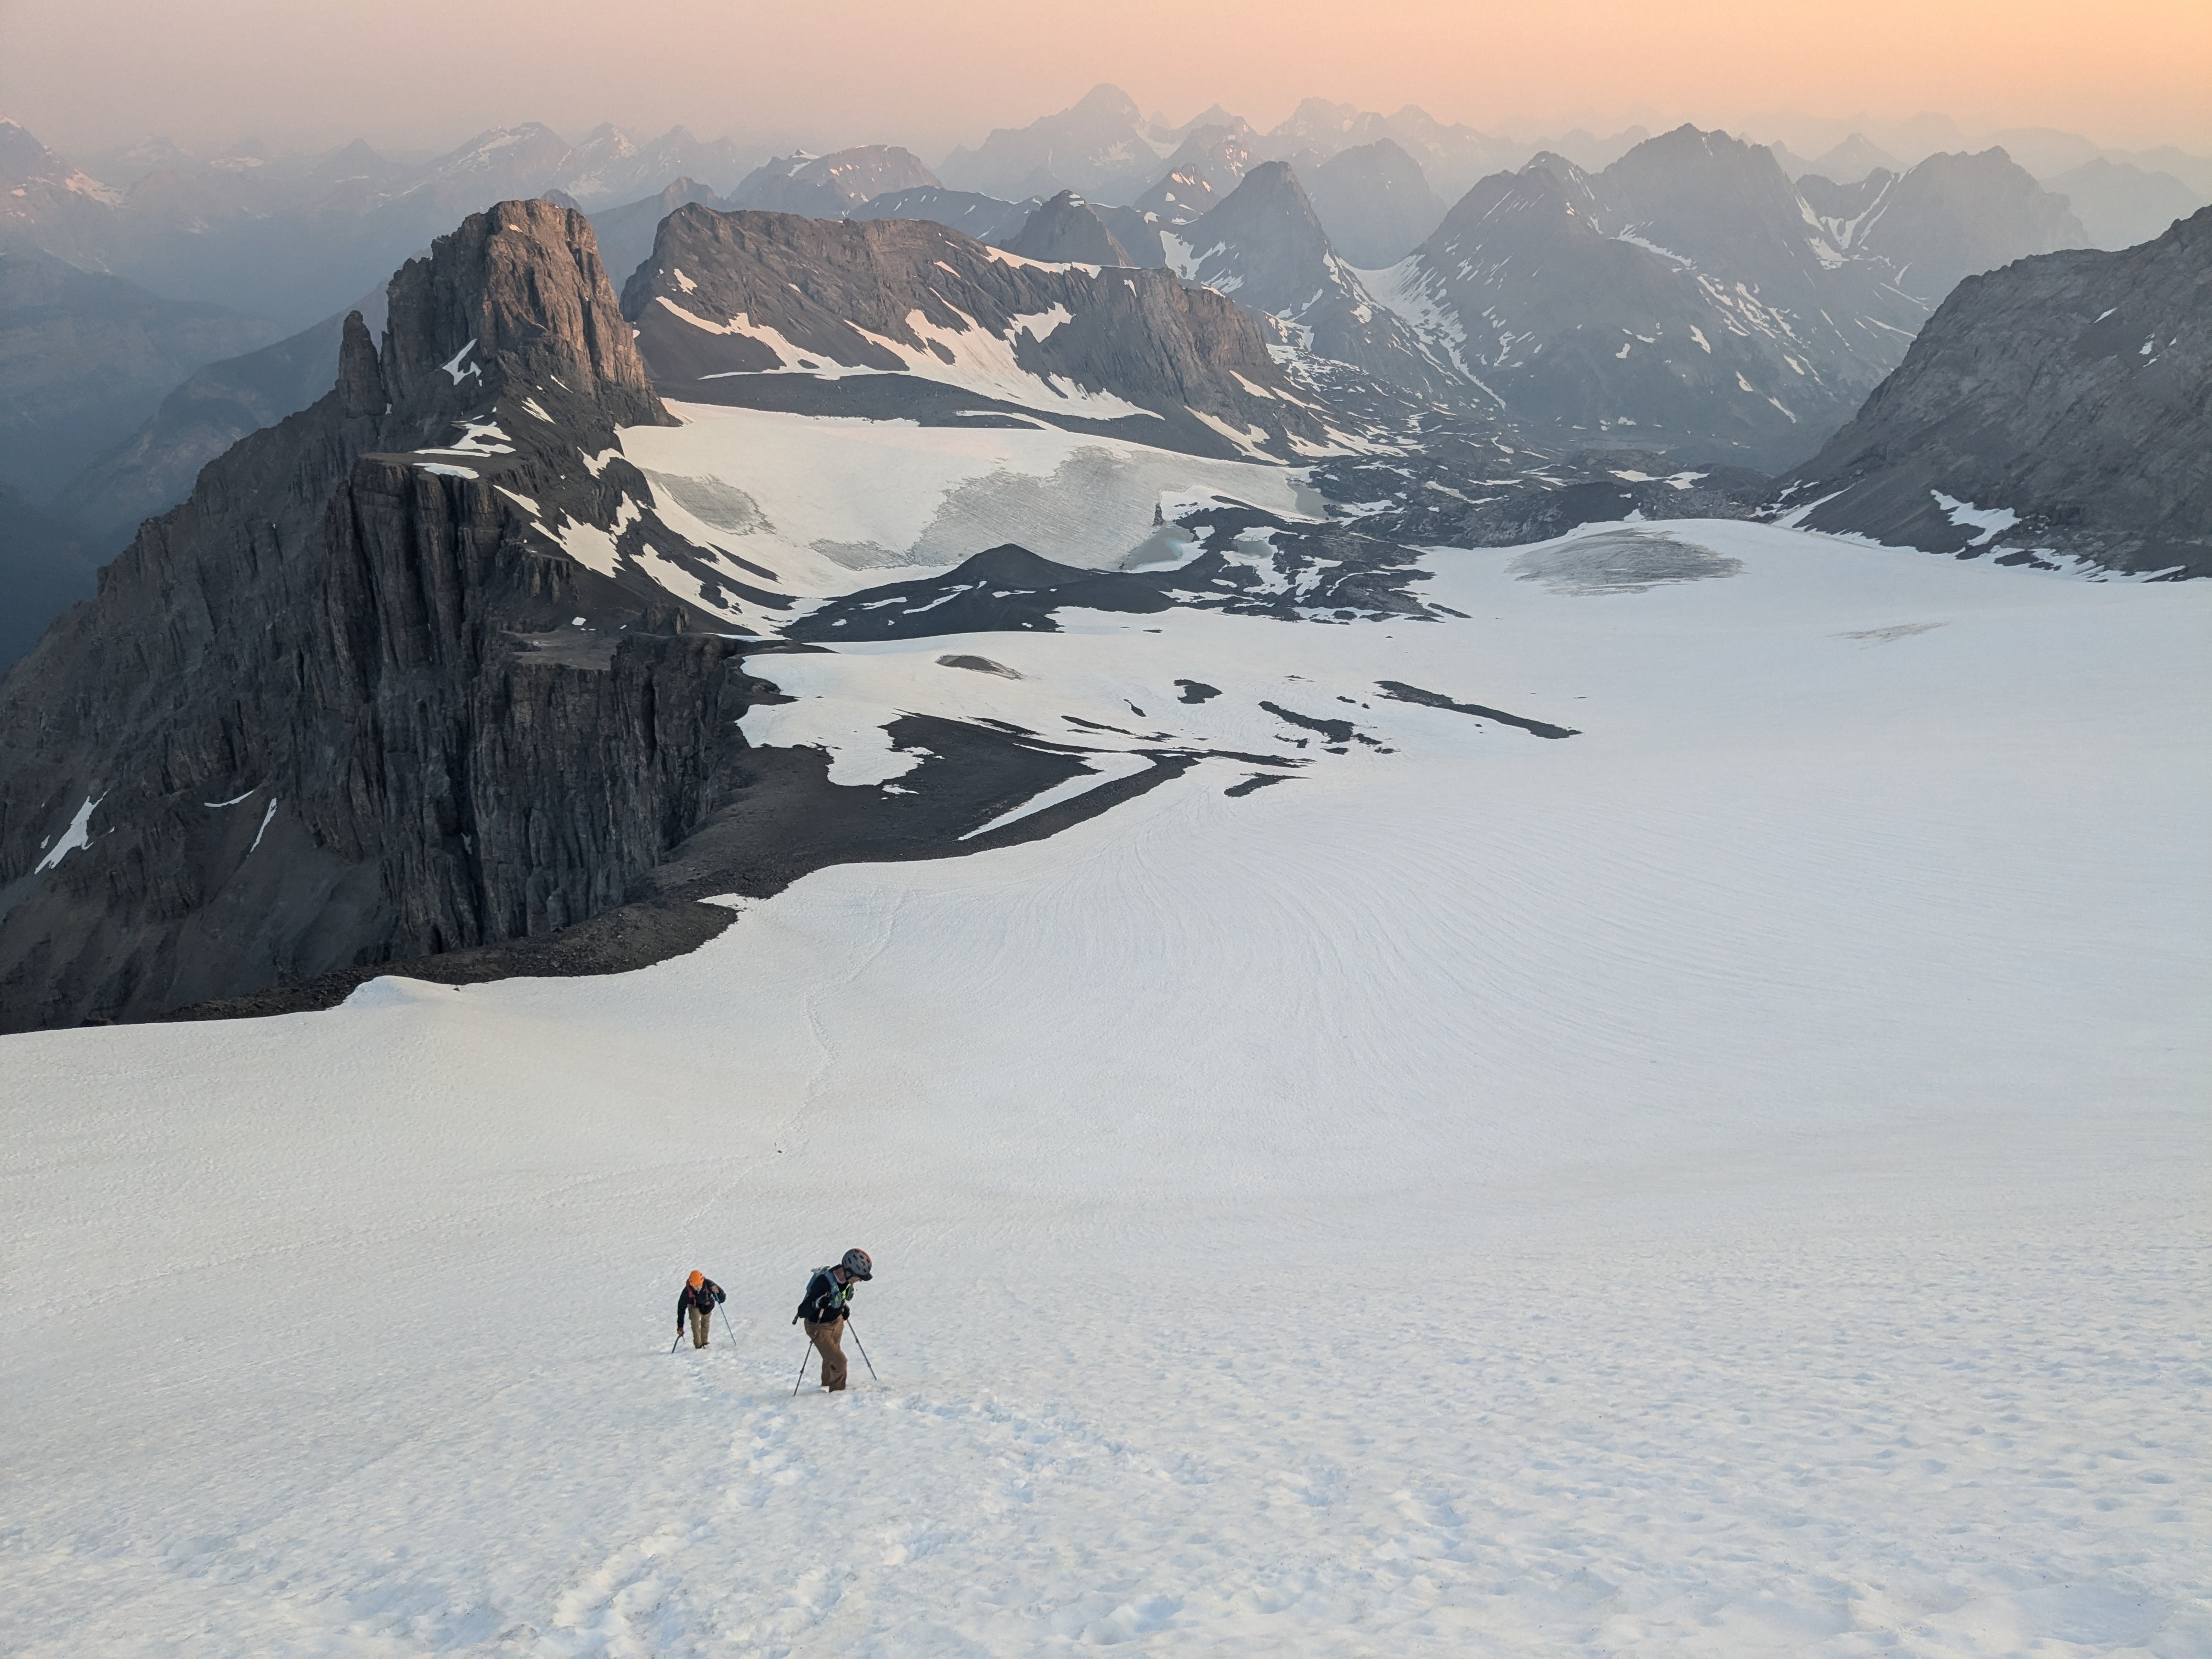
<point x="697" y="1279"/>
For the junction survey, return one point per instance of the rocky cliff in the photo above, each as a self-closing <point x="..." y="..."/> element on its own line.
<point x="1264" y="247"/>
<point x="1690" y="298"/>
<point x="2061" y="406"/>
<point x="906" y="319"/>
<point x="1066" y="231"/>
<point x="352" y="702"/>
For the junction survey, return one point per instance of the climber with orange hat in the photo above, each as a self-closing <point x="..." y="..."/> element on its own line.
<point x="701" y="1296"/>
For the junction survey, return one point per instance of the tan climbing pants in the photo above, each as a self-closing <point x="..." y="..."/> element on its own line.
<point x="826" y="1340"/>
<point x="702" y="1323"/>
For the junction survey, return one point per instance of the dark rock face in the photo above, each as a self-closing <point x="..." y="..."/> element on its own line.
<point x="1064" y="231"/>
<point x="1689" y="297"/>
<point x="1472" y="490"/>
<point x="333" y="710"/>
<point x="1677" y="300"/>
<point x="1375" y="201"/>
<point x="745" y="308"/>
<point x="1237" y="559"/>
<point x="1138" y="233"/>
<point x="1265" y="248"/>
<point x="2070" y="394"/>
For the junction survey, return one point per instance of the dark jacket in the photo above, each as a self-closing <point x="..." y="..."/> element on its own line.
<point x="826" y="1301"/>
<point x="703" y="1298"/>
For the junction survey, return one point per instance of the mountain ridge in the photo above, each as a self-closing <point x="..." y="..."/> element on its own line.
<point x="2055" y="407"/>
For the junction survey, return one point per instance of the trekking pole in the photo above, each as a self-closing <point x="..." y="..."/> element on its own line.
<point x="863" y="1348"/>
<point x="726" y="1337"/>
<point x="802" y="1371"/>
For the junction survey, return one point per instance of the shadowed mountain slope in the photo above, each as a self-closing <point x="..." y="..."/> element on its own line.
<point x="2063" y="405"/>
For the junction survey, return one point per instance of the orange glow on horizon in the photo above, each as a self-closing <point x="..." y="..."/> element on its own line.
<point x="2133" y="73"/>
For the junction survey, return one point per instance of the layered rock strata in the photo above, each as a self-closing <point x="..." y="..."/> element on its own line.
<point x="2059" y="407"/>
<point x="352" y="702"/>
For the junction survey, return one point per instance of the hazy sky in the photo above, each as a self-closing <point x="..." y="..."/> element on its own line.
<point x="425" y="74"/>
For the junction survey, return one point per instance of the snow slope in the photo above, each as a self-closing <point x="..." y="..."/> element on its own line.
<point x="825" y="502"/>
<point x="1726" y="1182"/>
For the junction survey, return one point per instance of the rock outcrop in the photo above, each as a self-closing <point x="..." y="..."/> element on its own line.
<point x="1690" y="298"/>
<point x="1677" y="300"/>
<point x="1265" y="248"/>
<point x="1065" y="231"/>
<point x="2061" y="406"/>
<point x="337" y="708"/>
<point x="771" y="310"/>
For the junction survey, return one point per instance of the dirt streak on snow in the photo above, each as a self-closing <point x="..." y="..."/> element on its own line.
<point x="1729" y="1182"/>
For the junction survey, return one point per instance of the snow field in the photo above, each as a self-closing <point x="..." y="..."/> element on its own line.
<point x="1730" y="1182"/>
<point x="840" y="502"/>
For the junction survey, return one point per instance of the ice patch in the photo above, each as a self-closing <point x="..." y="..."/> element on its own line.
<point x="76" y="837"/>
<point x="1040" y="324"/>
<point x="477" y="438"/>
<point x="1991" y="521"/>
<point x="453" y="365"/>
<point x="1621" y="561"/>
<point x="595" y="547"/>
<point x="824" y="502"/>
<point x="856" y="735"/>
<point x="971" y="357"/>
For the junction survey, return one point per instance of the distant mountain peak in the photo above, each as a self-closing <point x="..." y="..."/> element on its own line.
<point x="1106" y="98"/>
<point x="1067" y="230"/>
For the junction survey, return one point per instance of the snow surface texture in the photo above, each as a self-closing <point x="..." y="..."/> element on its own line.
<point x="827" y="503"/>
<point x="1729" y="1182"/>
